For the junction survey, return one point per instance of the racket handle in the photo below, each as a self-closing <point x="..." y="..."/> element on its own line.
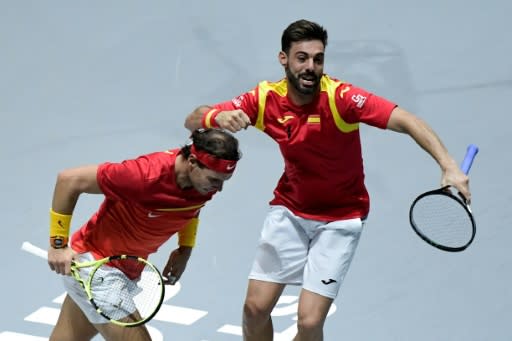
<point x="468" y="159"/>
<point x="37" y="251"/>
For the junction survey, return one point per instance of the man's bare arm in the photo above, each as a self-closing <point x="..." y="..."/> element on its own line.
<point x="70" y="184"/>
<point x="404" y="122"/>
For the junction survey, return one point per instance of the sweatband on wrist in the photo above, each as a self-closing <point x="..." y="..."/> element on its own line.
<point x="59" y="229"/>
<point x="208" y="119"/>
<point x="187" y="236"/>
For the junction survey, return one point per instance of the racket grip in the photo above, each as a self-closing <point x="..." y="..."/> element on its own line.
<point x="36" y="251"/>
<point x="468" y="159"/>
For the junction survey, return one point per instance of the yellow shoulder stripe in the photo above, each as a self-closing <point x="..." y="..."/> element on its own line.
<point x="329" y="85"/>
<point x="264" y="88"/>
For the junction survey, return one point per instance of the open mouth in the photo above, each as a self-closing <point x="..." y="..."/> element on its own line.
<point x="308" y="80"/>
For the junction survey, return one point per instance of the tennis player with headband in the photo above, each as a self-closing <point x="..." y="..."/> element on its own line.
<point x="147" y="200"/>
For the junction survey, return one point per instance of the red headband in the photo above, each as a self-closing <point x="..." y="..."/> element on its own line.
<point x="212" y="162"/>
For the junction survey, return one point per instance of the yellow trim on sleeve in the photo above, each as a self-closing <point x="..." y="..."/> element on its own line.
<point x="263" y="89"/>
<point x="329" y="85"/>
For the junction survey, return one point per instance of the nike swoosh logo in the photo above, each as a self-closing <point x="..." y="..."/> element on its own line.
<point x="328" y="282"/>
<point x="230" y="167"/>
<point x="152" y="215"/>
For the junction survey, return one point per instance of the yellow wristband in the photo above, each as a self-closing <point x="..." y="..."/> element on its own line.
<point x="59" y="224"/>
<point x="187" y="236"/>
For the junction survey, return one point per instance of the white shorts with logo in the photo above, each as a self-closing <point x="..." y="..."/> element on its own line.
<point x="295" y="250"/>
<point x="103" y="294"/>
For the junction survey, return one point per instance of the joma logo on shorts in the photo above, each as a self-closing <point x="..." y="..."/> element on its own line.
<point x="328" y="282"/>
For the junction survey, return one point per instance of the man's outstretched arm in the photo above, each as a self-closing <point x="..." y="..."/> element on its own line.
<point x="404" y="122"/>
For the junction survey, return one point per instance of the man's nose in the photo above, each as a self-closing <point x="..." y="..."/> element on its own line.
<point x="310" y="64"/>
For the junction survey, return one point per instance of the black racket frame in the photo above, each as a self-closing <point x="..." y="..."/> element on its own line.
<point x="459" y="199"/>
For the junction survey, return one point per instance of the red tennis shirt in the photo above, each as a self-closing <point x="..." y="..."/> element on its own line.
<point x="143" y="207"/>
<point x="323" y="177"/>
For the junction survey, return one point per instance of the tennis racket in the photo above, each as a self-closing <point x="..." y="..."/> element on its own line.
<point x="442" y="219"/>
<point x="126" y="290"/>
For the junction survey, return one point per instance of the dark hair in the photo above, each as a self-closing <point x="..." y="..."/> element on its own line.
<point x="302" y="30"/>
<point x="216" y="142"/>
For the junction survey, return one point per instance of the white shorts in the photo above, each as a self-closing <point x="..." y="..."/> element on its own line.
<point x="103" y="293"/>
<point x="316" y="254"/>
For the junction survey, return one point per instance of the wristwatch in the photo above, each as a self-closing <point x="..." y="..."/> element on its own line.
<point x="58" y="242"/>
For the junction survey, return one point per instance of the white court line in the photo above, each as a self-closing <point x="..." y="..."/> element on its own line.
<point x="179" y="315"/>
<point x="45" y="315"/>
<point x="167" y="313"/>
<point x="286" y="335"/>
<point x="59" y="299"/>
<point x="11" y="336"/>
<point x="230" y="329"/>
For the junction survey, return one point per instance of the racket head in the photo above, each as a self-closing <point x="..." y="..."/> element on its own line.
<point x="443" y="220"/>
<point x="126" y="290"/>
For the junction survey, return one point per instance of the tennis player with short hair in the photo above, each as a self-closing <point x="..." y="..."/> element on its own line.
<point x="316" y="217"/>
<point x="147" y="200"/>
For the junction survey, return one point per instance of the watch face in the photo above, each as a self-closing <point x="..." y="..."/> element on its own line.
<point x="58" y="242"/>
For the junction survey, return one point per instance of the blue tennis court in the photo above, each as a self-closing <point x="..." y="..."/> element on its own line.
<point x="83" y="83"/>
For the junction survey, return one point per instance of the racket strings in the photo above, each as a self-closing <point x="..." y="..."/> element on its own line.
<point x="125" y="300"/>
<point x="442" y="220"/>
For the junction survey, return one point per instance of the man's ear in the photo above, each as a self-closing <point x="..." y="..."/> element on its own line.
<point x="283" y="58"/>
<point x="192" y="161"/>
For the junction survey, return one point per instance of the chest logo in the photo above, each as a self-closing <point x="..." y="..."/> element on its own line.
<point x="285" y="119"/>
